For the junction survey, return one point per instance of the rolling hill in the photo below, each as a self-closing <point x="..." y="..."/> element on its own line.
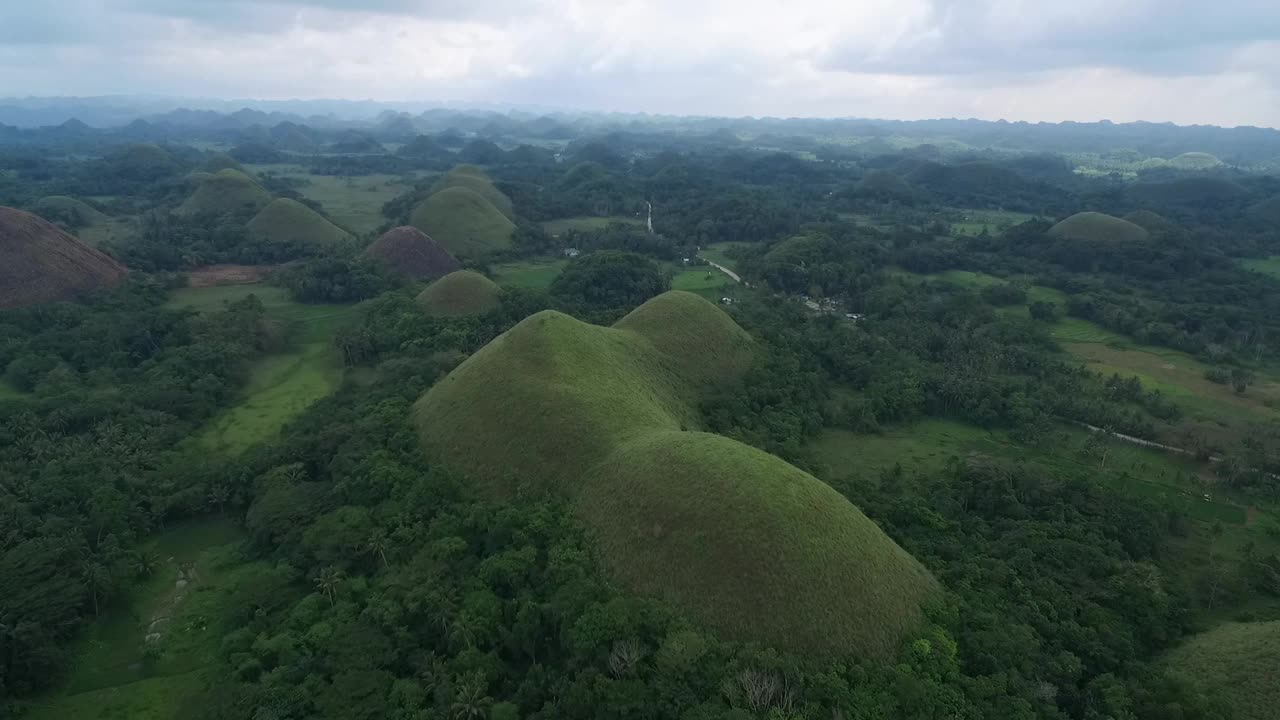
<point x="1150" y="221"/>
<point x="463" y="222"/>
<point x="289" y="221"/>
<point x="41" y="263"/>
<point x="74" y="213"/>
<point x="607" y="417"/>
<point x="460" y="293"/>
<point x="228" y="191"/>
<point x="221" y="161"/>
<point x="1195" y="161"/>
<point x="408" y="251"/>
<point x="1267" y="210"/>
<point x="1241" y="660"/>
<point x="475" y="179"/>
<point x="1097" y="227"/>
<point x="1192" y="192"/>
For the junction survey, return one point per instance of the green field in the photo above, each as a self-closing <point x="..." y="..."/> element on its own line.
<point x="717" y="253"/>
<point x="111" y="676"/>
<point x="1269" y="266"/>
<point x="280" y="385"/>
<point x="9" y="392"/>
<point x="536" y="273"/>
<point x="844" y="456"/>
<point x="586" y="224"/>
<point x="354" y="202"/>
<point x="973" y="222"/>
<point x="706" y="281"/>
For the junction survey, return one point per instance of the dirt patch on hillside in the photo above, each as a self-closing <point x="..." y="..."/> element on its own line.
<point x="215" y="275"/>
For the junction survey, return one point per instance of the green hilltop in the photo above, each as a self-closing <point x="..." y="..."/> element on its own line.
<point x="1239" y="659"/>
<point x="1195" y="161"/>
<point x="461" y="292"/>
<point x="475" y="179"/>
<point x="289" y="221"/>
<point x="1098" y="227"/>
<point x="77" y="213"/>
<point x="221" y="161"/>
<point x="607" y="417"/>
<point x="463" y="222"/>
<point x="1150" y="221"/>
<point x="227" y="191"/>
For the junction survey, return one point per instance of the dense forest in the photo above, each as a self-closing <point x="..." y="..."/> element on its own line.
<point x="883" y="288"/>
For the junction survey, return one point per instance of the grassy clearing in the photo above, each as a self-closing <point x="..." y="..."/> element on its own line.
<point x="925" y="447"/>
<point x="111" y="677"/>
<point x="718" y="253"/>
<point x="280" y="385"/>
<point x="537" y="273"/>
<point x="1239" y="660"/>
<point x="1269" y="266"/>
<point x="707" y="281"/>
<point x="600" y="416"/>
<point x="561" y="226"/>
<point x="973" y="222"/>
<point x="354" y="202"/>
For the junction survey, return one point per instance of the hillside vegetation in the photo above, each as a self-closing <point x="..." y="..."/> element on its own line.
<point x="463" y="222"/>
<point x="1242" y="660"/>
<point x="40" y="263"/>
<point x="409" y="251"/>
<point x="228" y="191"/>
<point x="475" y="179"/>
<point x="460" y="293"/>
<point x="1098" y="227"/>
<point x="739" y="539"/>
<point x="289" y="221"/>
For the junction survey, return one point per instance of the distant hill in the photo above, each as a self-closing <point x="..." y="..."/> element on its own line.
<point x="1240" y="660"/>
<point x="1267" y="210"/>
<point x="1195" y="161"/>
<point x="1151" y="222"/>
<point x="228" y="191"/>
<point x="289" y="221"/>
<point x="69" y="211"/>
<point x="409" y="251"/>
<point x="475" y="179"/>
<point x="608" y="418"/>
<point x="460" y="293"/>
<point x="463" y="222"/>
<point x="39" y="262"/>
<point x="1185" y="192"/>
<point x="221" y="161"/>
<point x="1097" y="227"/>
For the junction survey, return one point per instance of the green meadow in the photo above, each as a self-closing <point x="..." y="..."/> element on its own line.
<point x="537" y="273"/>
<point x="354" y="202"/>
<point x="973" y="222"/>
<point x="119" y="674"/>
<point x="718" y="253"/>
<point x="281" y="385"/>
<point x="1266" y="266"/>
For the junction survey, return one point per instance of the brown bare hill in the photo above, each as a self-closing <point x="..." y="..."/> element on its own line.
<point x="41" y="263"/>
<point x="412" y="252"/>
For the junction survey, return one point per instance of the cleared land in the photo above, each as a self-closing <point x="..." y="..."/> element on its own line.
<point x="354" y="202"/>
<point x="537" y="274"/>
<point x="718" y="253"/>
<point x="1268" y="266"/>
<point x="726" y="532"/>
<point x="281" y="385"/>
<point x="112" y="676"/>
<point x="973" y="222"/>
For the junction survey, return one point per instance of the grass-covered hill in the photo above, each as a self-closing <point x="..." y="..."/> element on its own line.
<point x="69" y="210"/>
<point x="41" y="263"/>
<point x="1195" y="161"/>
<point x="227" y="191"/>
<point x="460" y="293"/>
<point x="289" y="221"/>
<point x="221" y="161"/>
<point x="608" y="418"/>
<point x="1098" y="227"/>
<point x="1151" y="222"/>
<point x="1267" y="210"/>
<point x="463" y="222"/>
<point x="1241" y="660"/>
<point x="409" y="251"/>
<point x="475" y="179"/>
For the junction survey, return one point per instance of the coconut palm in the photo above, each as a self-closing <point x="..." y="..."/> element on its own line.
<point x="328" y="580"/>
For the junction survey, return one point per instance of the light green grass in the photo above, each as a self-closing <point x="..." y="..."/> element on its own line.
<point x="110" y="677"/>
<point x="463" y="222"/>
<point x="1268" y="266"/>
<point x="1076" y="330"/>
<point x="459" y="293"/>
<point x="740" y="540"/>
<point x="289" y="221"/>
<point x="228" y="191"/>
<point x="973" y="221"/>
<point x="561" y="226"/>
<point x="705" y="281"/>
<point x="538" y="274"/>
<point x="354" y="202"/>
<point x="718" y="253"/>
<point x="1240" y="660"/>
<point x="474" y="179"/>
<point x="1098" y="227"/>
<point x="282" y="385"/>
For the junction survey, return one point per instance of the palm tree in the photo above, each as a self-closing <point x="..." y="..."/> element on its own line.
<point x="145" y="563"/>
<point x="327" y="582"/>
<point x="471" y="703"/>
<point x="96" y="579"/>
<point x="378" y="544"/>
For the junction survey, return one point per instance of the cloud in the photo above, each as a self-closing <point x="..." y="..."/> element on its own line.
<point x="1017" y="59"/>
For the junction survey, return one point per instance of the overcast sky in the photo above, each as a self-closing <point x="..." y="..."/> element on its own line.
<point x="1186" y="61"/>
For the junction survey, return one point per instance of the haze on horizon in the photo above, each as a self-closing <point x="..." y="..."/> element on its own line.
<point x="1122" y="60"/>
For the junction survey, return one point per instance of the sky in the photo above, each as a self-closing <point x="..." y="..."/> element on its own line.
<point x="1183" y="61"/>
